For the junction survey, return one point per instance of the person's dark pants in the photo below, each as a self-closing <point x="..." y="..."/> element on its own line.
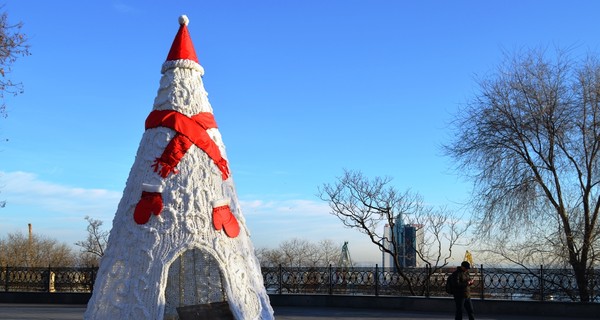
<point x="461" y="302"/>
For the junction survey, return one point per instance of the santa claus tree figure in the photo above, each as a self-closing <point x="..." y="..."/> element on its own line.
<point x="179" y="246"/>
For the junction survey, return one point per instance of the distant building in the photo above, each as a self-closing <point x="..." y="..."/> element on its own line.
<point x="409" y="239"/>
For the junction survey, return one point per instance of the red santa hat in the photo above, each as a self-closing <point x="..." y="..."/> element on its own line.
<point x="182" y="47"/>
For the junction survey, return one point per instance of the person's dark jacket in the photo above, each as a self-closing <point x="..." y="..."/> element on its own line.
<point x="462" y="283"/>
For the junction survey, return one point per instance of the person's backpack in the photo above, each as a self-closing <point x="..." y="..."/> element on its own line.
<point x="451" y="283"/>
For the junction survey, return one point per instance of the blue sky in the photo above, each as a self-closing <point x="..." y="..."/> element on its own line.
<point x="300" y="90"/>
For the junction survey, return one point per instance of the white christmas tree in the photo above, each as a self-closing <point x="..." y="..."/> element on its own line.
<point x="179" y="238"/>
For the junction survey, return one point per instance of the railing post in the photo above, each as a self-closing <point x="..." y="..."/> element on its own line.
<point x="592" y="284"/>
<point x="93" y="273"/>
<point x="542" y="282"/>
<point x="48" y="283"/>
<point x="427" y="279"/>
<point x="482" y="281"/>
<point x="376" y="280"/>
<point x="6" y="280"/>
<point x="280" y="278"/>
<point x="330" y="283"/>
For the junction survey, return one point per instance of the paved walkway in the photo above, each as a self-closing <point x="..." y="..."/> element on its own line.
<point x="75" y="312"/>
<point x="296" y="313"/>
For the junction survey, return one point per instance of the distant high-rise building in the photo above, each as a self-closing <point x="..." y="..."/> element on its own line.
<point x="409" y="239"/>
<point x="413" y="243"/>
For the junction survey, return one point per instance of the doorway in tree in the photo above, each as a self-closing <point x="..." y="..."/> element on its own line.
<point x="194" y="279"/>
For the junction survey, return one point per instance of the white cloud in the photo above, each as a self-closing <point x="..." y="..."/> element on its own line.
<point x="273" y="221"/>
<point x="54" y="210"/>
<point x="26" y="189"/>
<point x="301" y="207"/>
<point x="123" y="8"/>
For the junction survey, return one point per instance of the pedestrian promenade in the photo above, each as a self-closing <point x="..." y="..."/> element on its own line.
<point x="75" y="312"/>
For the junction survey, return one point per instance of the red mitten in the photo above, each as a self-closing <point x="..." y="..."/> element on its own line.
<point x="223" y="218"/>
<point x="150" y="203"/>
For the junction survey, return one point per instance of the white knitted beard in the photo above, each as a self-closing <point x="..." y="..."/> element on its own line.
<point x="177" y="258"/>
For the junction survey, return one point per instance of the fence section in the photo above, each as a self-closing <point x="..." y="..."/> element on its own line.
<point x="490" y="283"/>
<point x="537" y="284"/>
<point x="20" y="279"/>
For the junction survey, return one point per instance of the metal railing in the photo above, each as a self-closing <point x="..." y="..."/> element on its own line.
<point x="490" y="283"/>
<point x="493" y="283"/>
<point x="51" y="279"/>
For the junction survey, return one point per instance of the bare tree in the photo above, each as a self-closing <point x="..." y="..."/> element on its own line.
<point x="530" y="140"/>
<point x="13" y="44"/>
<point x="94" y="245"/>
<point x="264" y="258"/>
<point x="370" y="205"/>
<point x="442" y="231"/>
<point x="297" y="252"/>
<point x="330" y="252"/>
<point x="19" y="250"/>
<point x="300" y="253"/>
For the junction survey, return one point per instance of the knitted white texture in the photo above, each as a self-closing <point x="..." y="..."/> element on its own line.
<point x="177" y="258"/>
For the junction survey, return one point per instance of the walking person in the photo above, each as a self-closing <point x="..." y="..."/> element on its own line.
<point x="462" y="291"/>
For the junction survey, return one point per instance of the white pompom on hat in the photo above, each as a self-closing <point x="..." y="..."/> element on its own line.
<point x="183" y="20"/>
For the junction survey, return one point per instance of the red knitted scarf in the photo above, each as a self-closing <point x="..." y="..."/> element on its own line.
<point x="190" y="130"/>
